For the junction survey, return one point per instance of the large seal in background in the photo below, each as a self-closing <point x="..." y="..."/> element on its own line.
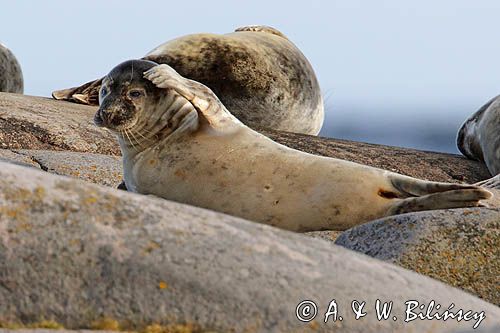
<point x="179" y="142"/>
<point x="260" y="76"/>
<point x="11" y="76"/>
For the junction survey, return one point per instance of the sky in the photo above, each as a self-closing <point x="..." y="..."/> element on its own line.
<point x="404" y="73"/>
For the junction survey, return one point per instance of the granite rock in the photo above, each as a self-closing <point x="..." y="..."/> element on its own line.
<point x="460" y="247"/>
<point x="74" y="252"/>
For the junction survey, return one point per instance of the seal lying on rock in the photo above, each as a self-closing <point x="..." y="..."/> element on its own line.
<point x="259" y="75"/>
<point x="479" y="139"/>
<point x="11" y="76"/>
<point x="179" y="142"/>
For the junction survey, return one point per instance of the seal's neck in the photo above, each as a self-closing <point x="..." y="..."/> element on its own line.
<point x="171" y="117"/>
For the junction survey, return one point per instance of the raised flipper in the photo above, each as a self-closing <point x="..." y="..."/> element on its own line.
<point x="87" y="93"/>
<point x="261" y="28"/>
<point x="203" y="99"/>
<point x="417" y="195"/>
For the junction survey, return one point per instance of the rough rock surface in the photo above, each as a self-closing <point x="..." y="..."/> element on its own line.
<point x="187" y="329"/>
<point x="494" y="329"/>
<point x="39" y="123"/>
<point x="460" y="247"/>
<point x="41" y="330"/>
<point x="28" y="122"/>
<point x="329" y="235"/>
<point x="16" y="158"/>
<point x="74" y="252"/>
<point x="95" y="168"/>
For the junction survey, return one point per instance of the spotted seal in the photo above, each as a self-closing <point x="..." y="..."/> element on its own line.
<point x="258" y="73"/>
<point x="11" y="76"/>
<point x="180" y="143"/>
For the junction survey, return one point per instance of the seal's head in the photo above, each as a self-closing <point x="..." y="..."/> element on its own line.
<point x="124" y="94"/>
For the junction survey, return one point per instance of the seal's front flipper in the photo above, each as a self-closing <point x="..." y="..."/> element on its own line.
<point x="87" y="93"/>
<point x="417" y="195"/>
<point x="201" y="97"/>
<point x="493" y="183"/>
<point x="261" y="28"/>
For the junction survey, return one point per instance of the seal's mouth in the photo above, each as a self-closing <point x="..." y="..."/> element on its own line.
<point x="114" y="121"/>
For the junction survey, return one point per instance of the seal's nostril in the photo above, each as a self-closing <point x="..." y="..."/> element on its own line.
<point x="98" y="119"/>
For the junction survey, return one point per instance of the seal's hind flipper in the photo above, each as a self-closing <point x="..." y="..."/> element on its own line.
<point x="493" y="183"/>
<point x="64" y="94"/>
<point x="412" y="187"/>
<point x="442" y="200"/>
<point x="417" y="195"/>
<point x="261" y="28"/>
<point x="87" y="93"/>
<point x="201" y="97"/>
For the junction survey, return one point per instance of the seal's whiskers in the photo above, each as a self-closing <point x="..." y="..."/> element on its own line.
<point x="139" y="143"/>
<point x="128" y="138"/>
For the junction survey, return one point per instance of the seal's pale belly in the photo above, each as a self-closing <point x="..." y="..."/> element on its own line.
<point x="266" y="183"/>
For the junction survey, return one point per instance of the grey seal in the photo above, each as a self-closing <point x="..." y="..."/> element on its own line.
<point x="180" y="143"/>
<point x="259" y="74"/>
<point x="11" y="76"/>
<point x="479" y="139"/>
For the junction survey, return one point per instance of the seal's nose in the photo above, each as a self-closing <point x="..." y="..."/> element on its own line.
<point x="98" y="118"/>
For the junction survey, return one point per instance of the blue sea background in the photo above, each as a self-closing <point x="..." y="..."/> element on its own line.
<point x="392" y="72"/>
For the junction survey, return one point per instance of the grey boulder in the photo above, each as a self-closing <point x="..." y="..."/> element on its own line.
<point x="39" y="123"/>
<point x="460" y="246"/>
<point x="95" y="168"/>
<point x="75" y="252"/>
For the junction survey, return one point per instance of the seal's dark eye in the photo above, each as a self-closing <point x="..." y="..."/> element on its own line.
<point x="104" y="91"/>
<point x="134" y="93"/>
